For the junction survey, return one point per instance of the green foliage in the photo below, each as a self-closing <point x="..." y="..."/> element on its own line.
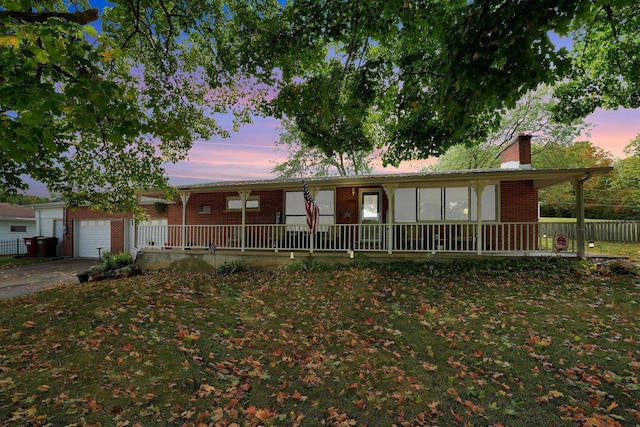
<point x="559" y="200"/>
<point x="306" y="264"/>
<point x="620" y="267"/>
<point x="78" y="115"/>
<point x="228" y="268"/>
<point x="532" y="115"/>
<point x="429" y="77"/>
<point x="21" y="199"/>
<point x="305" y="161"/>
<point x="95" y="115"/>
<point x="605" y="66"/>
<point x="110" y="262"/>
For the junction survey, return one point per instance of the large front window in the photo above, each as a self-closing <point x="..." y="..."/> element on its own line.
<point x="295" y="212"/>
<point x="444" y="204"/>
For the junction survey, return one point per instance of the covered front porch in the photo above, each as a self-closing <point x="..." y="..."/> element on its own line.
<point x="496" y="238"/>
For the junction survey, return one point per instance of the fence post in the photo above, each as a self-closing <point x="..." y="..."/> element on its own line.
<point x="17" y="246"/>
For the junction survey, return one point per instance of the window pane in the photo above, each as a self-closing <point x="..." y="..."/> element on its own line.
<point x="294" y="203"/>
<point x="325" y="201"/>
<point x="488" y="204"/>
<point x="370" y="208"/>
<point x="294" y="207"/>
<point x="405" y="205"/>
<point x="253" y="204"/>
<point x="430" y="204"/>
<point x="234" y="204"/>
<point x="456" y="203"/>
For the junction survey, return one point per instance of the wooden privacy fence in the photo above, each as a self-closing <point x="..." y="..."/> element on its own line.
<point x="613" y="231"/>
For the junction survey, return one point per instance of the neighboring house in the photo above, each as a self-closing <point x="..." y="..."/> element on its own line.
<point x="16" y="223"/>
<point x="50" y="222"/>
<point x="88" y="233"/>
<point x="382" y="215"/>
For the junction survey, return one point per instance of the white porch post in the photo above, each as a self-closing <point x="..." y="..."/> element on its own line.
<point x="312" y="237"/>
<point x="184" y="198"/>
<point x="578" y="186"/>
<point x="244" y="196"/>
<point x="390" y="191"/>
<point x="135" y="226"/>
<point x="479" y="187"/>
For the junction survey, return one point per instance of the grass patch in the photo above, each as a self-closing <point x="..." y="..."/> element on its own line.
<point x="527" y="342"/>
<point x="9" y="261"/>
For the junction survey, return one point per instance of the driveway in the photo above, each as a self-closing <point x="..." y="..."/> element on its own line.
<point x="29" y="278"/>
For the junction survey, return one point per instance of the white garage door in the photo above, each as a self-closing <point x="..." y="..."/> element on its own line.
<point x="92" y="234"/>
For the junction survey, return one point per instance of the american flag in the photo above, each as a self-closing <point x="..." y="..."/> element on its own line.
<point x="313" y="211"/>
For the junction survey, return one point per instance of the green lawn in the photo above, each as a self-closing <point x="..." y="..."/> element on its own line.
<point x="7" y="261"/>
<point x="535" y="342"/>
<point x="629" y="250"/>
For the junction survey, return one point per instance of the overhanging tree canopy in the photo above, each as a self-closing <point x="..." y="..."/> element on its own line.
<point x="433" y="73"/>
<point x="439" y="73"/>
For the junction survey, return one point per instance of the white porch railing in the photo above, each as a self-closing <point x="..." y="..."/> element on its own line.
<point x="424" y="237"/>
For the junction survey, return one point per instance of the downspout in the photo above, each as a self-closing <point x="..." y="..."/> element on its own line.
<point x="579" y="187"/>
<point x="39" y="222"/>
<point x="65" y="230"/>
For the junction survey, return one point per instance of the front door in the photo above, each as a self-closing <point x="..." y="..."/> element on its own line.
<point x="370" y="215"/>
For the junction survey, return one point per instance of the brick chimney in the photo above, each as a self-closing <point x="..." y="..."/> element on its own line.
<point x="517" y="155"/>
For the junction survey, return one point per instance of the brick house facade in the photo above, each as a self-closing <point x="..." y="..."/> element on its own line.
<point x="426" y="211"/>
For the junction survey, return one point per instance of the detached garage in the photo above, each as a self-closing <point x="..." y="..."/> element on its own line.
<point x="90" y="235"/>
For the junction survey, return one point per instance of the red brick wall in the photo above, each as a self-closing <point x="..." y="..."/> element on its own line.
<point x="519" y="151"/>
<point x="518" y="201"/>
<point x="271" y="201"/>
<point x="117" y="225"/>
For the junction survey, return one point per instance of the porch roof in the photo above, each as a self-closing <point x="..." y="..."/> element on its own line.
<point x="541" y="178"/>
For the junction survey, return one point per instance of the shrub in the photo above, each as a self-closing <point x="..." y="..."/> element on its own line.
<point x="110" y="262"/>
<point x="306" y="264"/>
<point x="622" y="268"/>
<point x="229" y="268"/>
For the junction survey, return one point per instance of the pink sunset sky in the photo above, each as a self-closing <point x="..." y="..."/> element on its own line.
<point x="251" y="153"/>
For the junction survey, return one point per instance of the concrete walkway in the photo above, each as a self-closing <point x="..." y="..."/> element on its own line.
<point x="29" y="278"/>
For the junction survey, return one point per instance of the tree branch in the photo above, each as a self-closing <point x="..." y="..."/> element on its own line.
<point x="81" y="18"/>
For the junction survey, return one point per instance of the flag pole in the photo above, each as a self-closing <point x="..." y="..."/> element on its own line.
<point x="313" y="215"/>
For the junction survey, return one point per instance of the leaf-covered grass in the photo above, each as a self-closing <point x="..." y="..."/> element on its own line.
<point x="8" y="261"/>
<point x="533" y="342"/>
